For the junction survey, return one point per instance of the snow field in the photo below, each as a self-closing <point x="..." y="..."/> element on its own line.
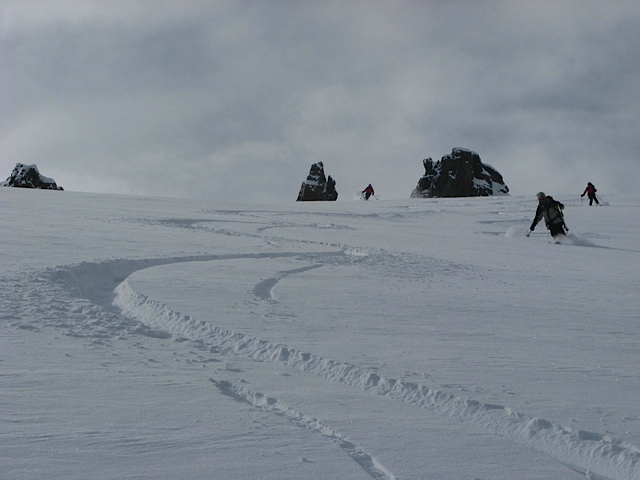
<point x="415" y="339"/>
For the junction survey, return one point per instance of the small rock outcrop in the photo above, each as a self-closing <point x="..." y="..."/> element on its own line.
<point x="317" y="187"/>
<point x="460" y="174"/>
<point x="28" y="176"/>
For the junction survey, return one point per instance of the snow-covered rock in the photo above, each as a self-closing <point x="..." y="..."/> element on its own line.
<point x="28" y="176"/>
<point x="317" y="187"/>
<point x="459" y="174"/>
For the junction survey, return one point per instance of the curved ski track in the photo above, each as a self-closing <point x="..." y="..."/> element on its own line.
<point x="84" y="292"/>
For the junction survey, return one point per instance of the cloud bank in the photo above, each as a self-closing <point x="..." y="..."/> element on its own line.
<point x="233" y="100"/>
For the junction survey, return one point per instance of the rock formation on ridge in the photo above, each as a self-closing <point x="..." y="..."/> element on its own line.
<point x="28" y="176"/>
<point x="317" y="187"/>
<point x="459" y="174"/>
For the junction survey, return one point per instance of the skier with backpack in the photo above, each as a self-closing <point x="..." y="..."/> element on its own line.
<point x="590" y="191"/>
<point x="551" y="211"/>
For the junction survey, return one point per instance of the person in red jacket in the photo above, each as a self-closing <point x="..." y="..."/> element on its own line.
<point x="590" y="191"/>
<point x="367" y="192"/>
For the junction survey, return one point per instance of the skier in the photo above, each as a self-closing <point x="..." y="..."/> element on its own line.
<point x="590" y="191"/>
<point x="551" y="211"/>
<point x="367" y="192"/>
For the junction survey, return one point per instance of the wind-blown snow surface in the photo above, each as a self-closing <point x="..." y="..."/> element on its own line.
<point x="420" y="339"/>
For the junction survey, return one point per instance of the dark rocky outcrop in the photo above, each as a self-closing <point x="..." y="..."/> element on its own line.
<point x="28" y="176"/>
<point x="317" y="187"/>
<point x="460" y="174"/>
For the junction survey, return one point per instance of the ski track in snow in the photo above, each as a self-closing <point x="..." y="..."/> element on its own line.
<point x="592" y="454"/>
<point x="92" y="284"/>
<point x="81" y="299"/>
<point x="369" y="464"/>
<point x="264" y="289"/>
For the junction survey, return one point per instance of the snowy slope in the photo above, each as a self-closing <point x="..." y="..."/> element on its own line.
<point x="161" y="338"/>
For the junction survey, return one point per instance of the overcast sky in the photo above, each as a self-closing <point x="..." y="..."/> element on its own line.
<point x="234" y="100"/>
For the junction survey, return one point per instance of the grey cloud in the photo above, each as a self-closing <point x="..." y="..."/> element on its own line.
<point x="249" y="94"/>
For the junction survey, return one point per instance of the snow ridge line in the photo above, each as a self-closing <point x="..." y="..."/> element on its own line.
<point x="368" y="463"/>
<point x="594" y="455"/>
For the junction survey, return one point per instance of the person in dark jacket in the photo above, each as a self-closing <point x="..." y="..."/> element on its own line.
<point x="367" y="192"/>
<point x="551" y="211"/>
<point x="590" y="191"/>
